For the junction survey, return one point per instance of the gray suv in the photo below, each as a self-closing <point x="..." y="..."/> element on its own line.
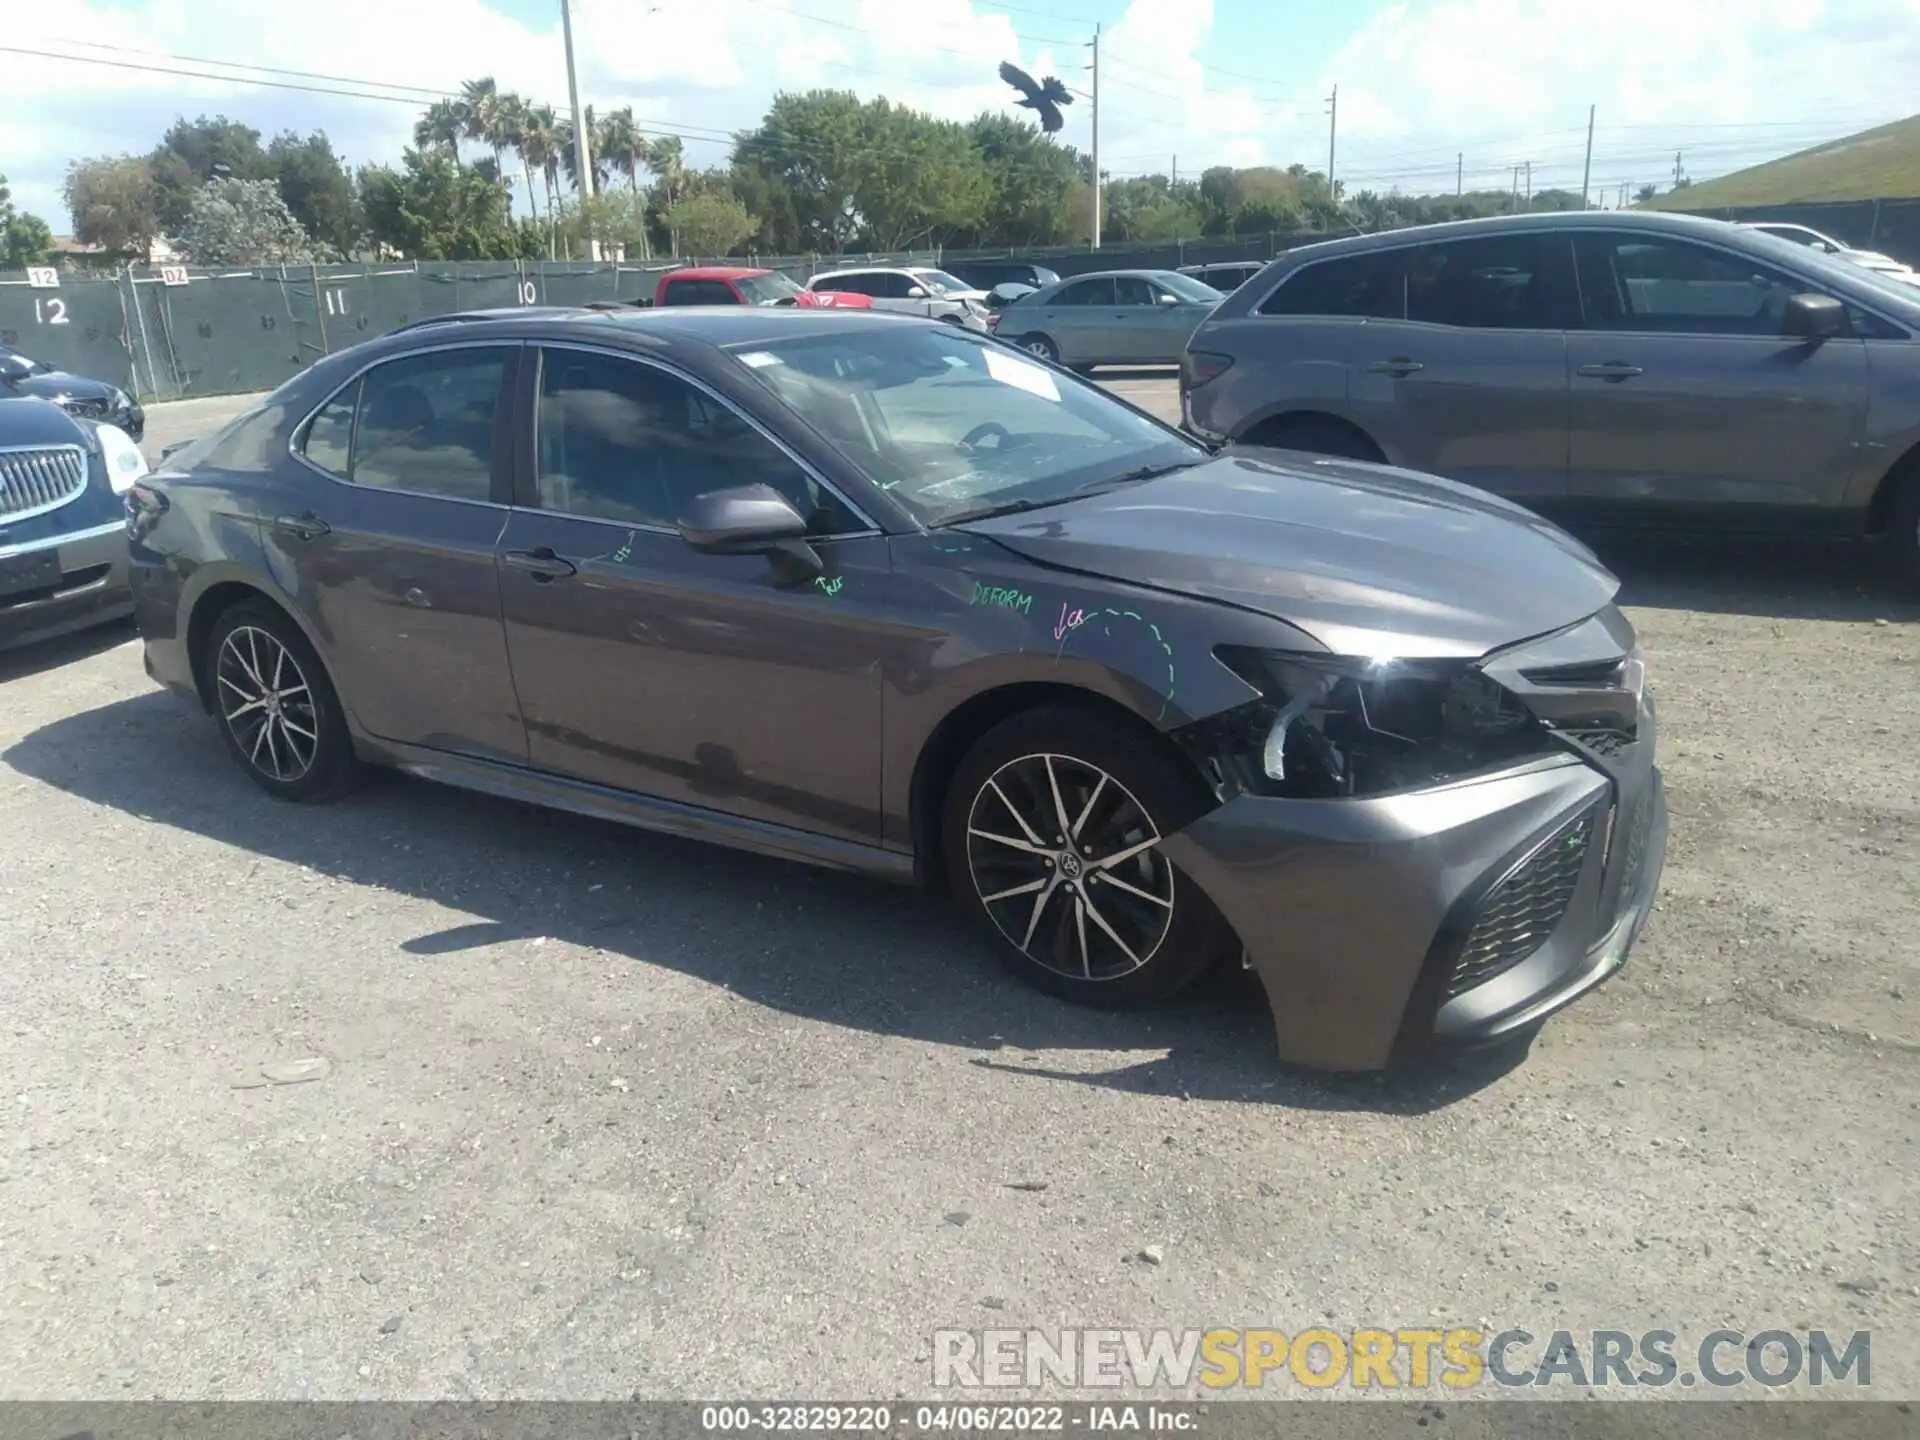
<point x="1605" y="368"/>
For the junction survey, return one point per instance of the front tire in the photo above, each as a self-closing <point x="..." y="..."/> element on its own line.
<point x="1051" y="837"/>
<point x="276" y="707"/>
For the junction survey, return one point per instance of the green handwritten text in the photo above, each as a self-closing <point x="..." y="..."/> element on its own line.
<point x="1002" y="595"/>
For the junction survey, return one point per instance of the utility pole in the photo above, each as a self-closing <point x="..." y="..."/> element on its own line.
<point x="1529" y="187"/>
<point x="582" y="157"/>
<point x="1098" y="188"/>
<point x="1174" y="182"/>
<point x="1513" y="204"/>
<point x="1460" y="173"/>
<point x="1333" y="130"/>
<point x="1679" y="172"/>
<point x="1586" y="175"/>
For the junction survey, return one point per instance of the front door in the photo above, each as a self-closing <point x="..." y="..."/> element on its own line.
<point x="1468" y="376"/>
<point x="644" y="664"/>
<point x="388" y="552"/>
<point x="1687" y="393"/>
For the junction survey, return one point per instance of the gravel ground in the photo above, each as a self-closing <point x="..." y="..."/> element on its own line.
<point x="606" y="1114"/>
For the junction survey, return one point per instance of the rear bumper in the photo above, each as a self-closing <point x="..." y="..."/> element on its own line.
<point x="1389" y="927"/>
<point x="91" y="590"/>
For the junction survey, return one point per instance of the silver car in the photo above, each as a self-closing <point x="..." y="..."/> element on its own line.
<point x="1610" y="368"/>
<point x="1112" y="317"/>
<point x="912" y="290"/>
<point x="1814" y="240"/>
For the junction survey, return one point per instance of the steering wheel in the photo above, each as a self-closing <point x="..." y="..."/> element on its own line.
<point x="971" y="440"/>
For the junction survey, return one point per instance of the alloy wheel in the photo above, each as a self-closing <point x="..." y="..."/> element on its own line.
<point x="266" y="704"/>
<point x="1041" y="348"/>
<point x="1067" y="864"/>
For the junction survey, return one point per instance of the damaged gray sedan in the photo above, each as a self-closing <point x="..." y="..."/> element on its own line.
<point x="881" y="594"/>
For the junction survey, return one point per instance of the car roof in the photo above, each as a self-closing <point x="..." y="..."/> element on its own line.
<point x="1142" y="274"/>
<point x="718" y="326"/>
<point x="1641" y="221"/>
<point x="512" y="312"/>
<point x="715" y="272"/>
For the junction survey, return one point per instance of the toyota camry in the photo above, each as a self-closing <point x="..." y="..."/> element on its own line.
<point x="883" y="594"/>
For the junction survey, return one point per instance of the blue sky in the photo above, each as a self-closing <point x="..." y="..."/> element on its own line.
<point x="1424" y="85"/>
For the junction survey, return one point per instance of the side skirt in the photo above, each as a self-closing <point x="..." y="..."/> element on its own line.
<point x="646" y="812"/>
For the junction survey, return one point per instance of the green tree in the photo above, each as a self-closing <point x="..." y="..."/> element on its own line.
<point x="113" y="201"/>
<point x="710" y="223"/>
<point x="1030" y="184"/>
<point x="485" y="115"/>
<point x="243" y="222"/>
<point x="433" y="209"/>
<point x="1645" y="193"/>
<point x="193" y="152"/>
<point x="317" y="189"/>
<point x="24" y="239"/>
<point x="442" y="126"/>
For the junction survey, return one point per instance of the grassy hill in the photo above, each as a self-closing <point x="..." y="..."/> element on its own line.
<point x="1880" y="164"/>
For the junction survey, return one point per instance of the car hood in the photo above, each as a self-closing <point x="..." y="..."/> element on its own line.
<point x="32" y="420"/>
<point x="55" y="384"/>
<point x="1366" y="559"/>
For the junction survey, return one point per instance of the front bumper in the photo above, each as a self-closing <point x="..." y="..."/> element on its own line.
<point x="1377" y="926"/>
<point x="91" y="588"/>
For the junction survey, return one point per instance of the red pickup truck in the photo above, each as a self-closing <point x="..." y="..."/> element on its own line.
<point x="737" y="285"/>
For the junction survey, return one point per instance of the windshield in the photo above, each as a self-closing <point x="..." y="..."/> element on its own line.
<point x="768" y="289"/>
<point x="953" y="427"/>
<point x="940" y="282"/>
<point x="1188" y="288"/>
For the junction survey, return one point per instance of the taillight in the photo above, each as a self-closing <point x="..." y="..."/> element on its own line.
<point x="993" y="321"/>
<point x="1197" y="367"/>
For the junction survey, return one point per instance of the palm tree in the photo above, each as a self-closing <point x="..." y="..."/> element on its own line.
<point x="666" y="157"/>
<point x="622" y="147"/>
<point x="513" y="130"/>
<point x="443" y="124"/>
<point x="540" y="150"/>
<point x="480" y="99"/>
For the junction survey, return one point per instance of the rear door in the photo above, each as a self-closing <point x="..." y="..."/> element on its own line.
<point x="646" y="665"/>
<point x="389" y="552"/>
<point x="1470" y="381"/>
<point x="1687" y="394"/>
<point x="1078" y="319"/>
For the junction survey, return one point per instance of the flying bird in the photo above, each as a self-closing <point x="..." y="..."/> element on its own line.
<point x="1044" y="98"/>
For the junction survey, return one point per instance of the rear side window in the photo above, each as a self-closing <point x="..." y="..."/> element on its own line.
<point x="1500" y="282"/>
<point x="1354" y="286"/>
<point x="700" y="292"/>
<point x="423" y="424"/>
<point x="1087" y="292"/>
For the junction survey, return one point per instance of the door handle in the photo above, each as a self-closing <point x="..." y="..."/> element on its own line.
<point x="1611" y="370"/>
<point x="304" y="526"/>
<point x="1399" y="365"/>
<point x="541" y="563"/>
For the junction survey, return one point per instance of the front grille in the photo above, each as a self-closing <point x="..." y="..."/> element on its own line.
<point x="1522" y="910"/>
<point x="36" y="480"/>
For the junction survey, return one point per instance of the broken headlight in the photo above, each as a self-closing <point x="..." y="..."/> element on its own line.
<point x="1332" y="726"/>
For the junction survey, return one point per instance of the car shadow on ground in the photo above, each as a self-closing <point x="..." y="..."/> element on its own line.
<point x="838" y="949"/>
<point x="1768" y="578"/>
<point x="41" y="655"/>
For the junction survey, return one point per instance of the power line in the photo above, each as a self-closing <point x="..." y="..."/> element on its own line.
<point x="883" y="35"/>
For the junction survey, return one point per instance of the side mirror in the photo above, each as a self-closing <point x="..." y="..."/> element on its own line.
<point x="1166" y="299"/>
<point x="1814" y="317"/>
<point x="742" y="521"/>
<point x="174" y="449"/>
<point x="15" y="367"/>
<point x="916" y="292"/>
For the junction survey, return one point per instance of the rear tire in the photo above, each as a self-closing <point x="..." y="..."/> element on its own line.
<point x="1320" y="437"/>
<point x="276" y="707"/>
<point x="1041" y="346"/>
<point x="1093" y="912"/>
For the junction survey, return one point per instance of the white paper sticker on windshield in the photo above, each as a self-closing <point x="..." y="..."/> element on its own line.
<point x="1011" y="370"/>
<point x="757" y="359"/>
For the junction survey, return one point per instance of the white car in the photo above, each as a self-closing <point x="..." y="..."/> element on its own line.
<point x="912" y="290"/>
<point x="1814" y="240"/>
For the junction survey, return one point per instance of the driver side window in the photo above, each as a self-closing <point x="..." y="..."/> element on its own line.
<point x="1654" y="284"/>
<point x="623" y="441"/>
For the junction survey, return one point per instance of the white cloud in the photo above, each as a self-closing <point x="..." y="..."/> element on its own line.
<point x="1503" y="80"/>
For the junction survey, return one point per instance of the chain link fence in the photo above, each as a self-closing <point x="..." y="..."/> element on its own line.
<point x="180" y="332"/>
